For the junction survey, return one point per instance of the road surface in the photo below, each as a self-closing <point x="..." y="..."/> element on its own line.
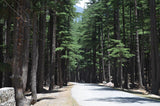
<point x="96" y="95"/>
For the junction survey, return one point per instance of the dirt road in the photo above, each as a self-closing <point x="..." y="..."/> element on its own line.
<point x="59" y="97"/>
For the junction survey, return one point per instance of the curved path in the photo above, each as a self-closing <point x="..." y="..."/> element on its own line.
<point x="95" y="95"/>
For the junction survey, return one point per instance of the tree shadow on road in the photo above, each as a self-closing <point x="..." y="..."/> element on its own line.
<point x="104" y="89"/>
<point x="44" y="98"/>
<point x="52" y="91"/>
<point x="125" y="100"/>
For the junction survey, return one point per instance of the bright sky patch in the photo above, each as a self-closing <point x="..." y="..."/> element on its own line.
<point x="82" y="3"/>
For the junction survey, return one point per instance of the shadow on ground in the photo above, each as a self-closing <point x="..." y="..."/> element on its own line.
<point x="52" y="91"/>
<point x="45" y="98"/>
<point x="125" y="100"/>
<point x="105" y="89"/>
<point x="120" y="99"/>
<point x="46" y="92"/>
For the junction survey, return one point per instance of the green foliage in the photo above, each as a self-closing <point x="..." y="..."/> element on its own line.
<point x="118" y="50"/>
<point x="59" y="48"/>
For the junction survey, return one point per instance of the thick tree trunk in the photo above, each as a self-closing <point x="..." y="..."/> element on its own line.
<point x="26" y="46"/>
<point x="154" y="50"/>
<point x="8" y="53"/>
<point x="34" y="60"/>
<point x="138" y="51"/>
<point x="18" y="56"/>
<point x="41" y="60"/>
<point x="94" y="76"/>
<point x="94" y="79"/>
<point x="102" y="44"/>
<point x="100" y="73"/>
<point x="53" y="53"/>
<point x="132" y="43"/>
<point x="124" y="41"/>
<point x="116" y="36"/>
<point x="60" y="83"/>
<point x="1" y="54"/>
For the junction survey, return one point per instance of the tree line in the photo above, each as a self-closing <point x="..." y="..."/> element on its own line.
<point x="34" y="45"/>
<point x="42" y="44"/>
<point x="118" y="41"/>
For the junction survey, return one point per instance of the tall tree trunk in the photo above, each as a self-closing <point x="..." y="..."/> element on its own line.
<point x="1" y="54"/>
<point x="132" y="46"/>
<point x="102" y="42"/>
<point x="109" y="63"/>
<point x="138" y="50"/>
<point x="60" y="83"/>
<point x="116" y="36"/>
<point x="94" y="79"/>
<point x="8" y="53"/>
<point x="154" y="50"/>
<point x="34" y="60"/>
<point x="41" y="60"/>
<point x="18" y="53"/>
<point x="121" y="74"/>
<point x="26" y="44"/>
<point x="53" y="55"/>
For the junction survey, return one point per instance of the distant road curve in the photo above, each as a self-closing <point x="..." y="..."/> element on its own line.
<point x="95" y="95"/>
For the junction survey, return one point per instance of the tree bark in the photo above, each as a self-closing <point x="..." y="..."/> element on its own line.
<point x="53" y="55"/>
<point x="109" y="63"/>
<point x="26" y="44"/>
<point x="60" y="83"/>
<point x="138" y="50"/>
<point x="34" y="60"/>
<point x="103" y="69"/>
<point x="41" y="60"/>
<point x="154" y="50"/>
<point x="94" y="77"/>
<point x="116" y="36"/>
<point x="8" y="53"/>
<point x="121" y="74"/>
<point x="1" y="54"/>
<point x="18" y="54"/>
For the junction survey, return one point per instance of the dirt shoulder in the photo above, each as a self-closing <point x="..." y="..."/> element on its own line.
<point x="57" y="97"/>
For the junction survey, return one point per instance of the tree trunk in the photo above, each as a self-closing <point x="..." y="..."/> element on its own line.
<point x="103" y="69"/>
<point x="124" y="41"/>
<point x="121" y="74"/>
<point x="1" y="54"/>
<point x="60" y="83"/>
<point x="116" y="36"/>
<point x="123" y="15"/>
<point x="8" y="54"/>
<point x="26" y="45"/>
<point x="41" y="60"/>
<point x="132" y="46"/>
<point x="154" y="50"/>
<point x="34" y="60"/>
<point x="109" y="63"/>
<point x="18" y="53"/>
<point x="94" y="78"/>
<point x="138" y="51"/>
<point x="53" y="55"/>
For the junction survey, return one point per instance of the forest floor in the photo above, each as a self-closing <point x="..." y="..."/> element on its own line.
<point x="57" y="97"/>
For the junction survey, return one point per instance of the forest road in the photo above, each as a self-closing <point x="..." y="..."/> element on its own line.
<point x="96" y="95"/>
